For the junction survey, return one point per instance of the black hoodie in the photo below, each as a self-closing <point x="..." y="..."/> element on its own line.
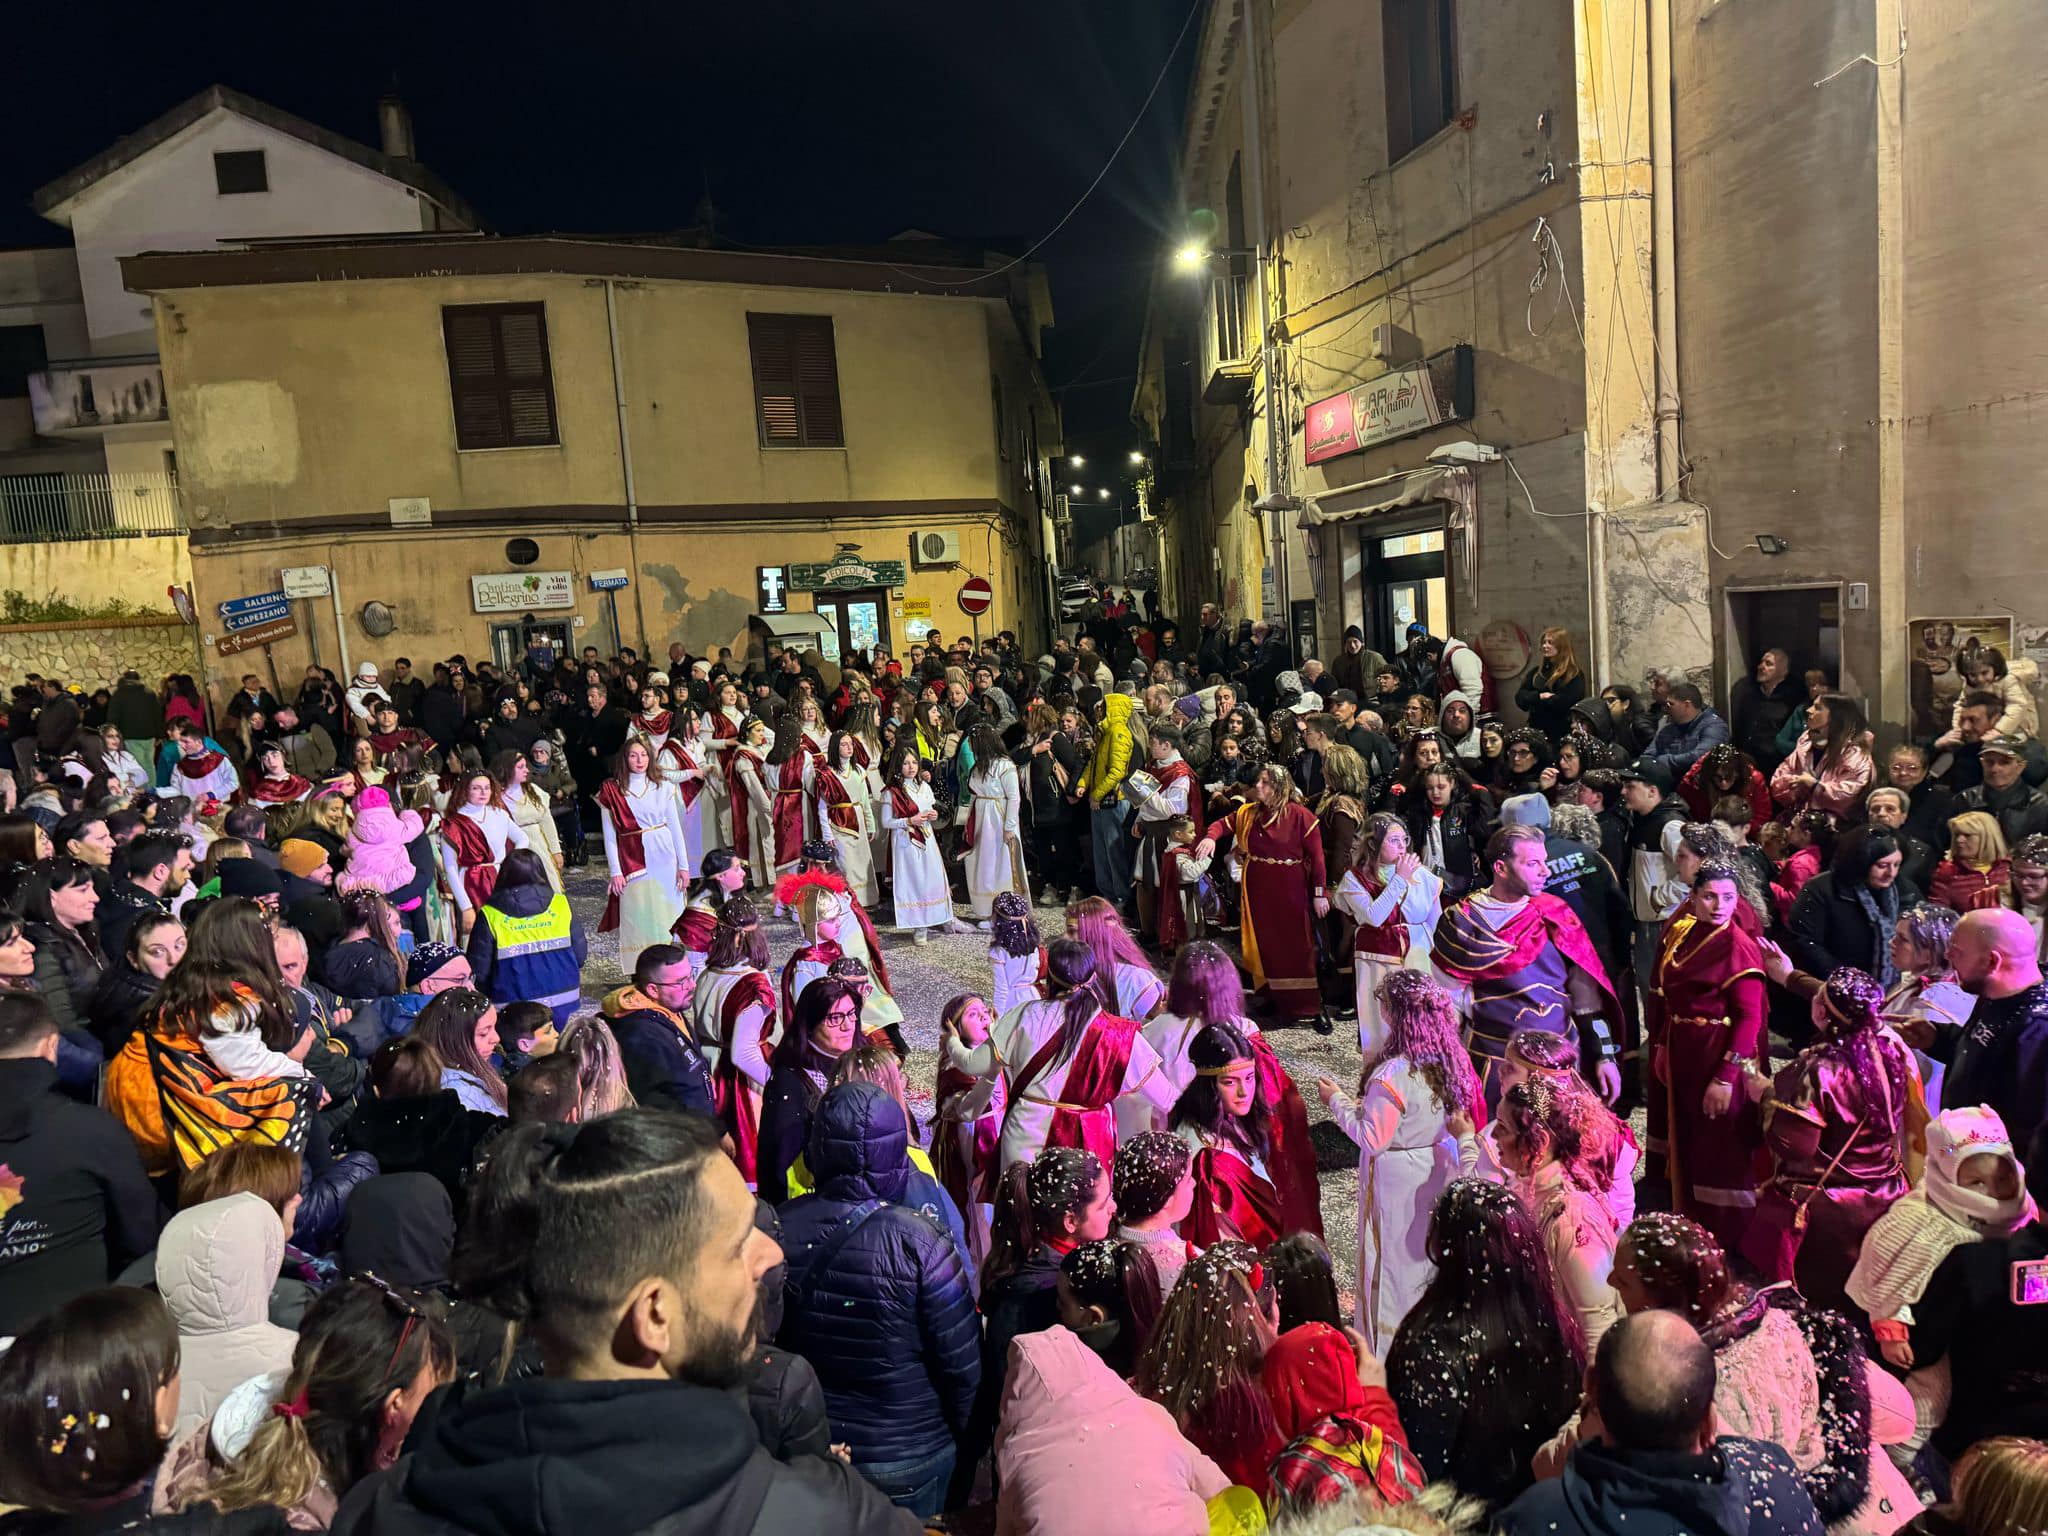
<point x="573" y="1457"/>
<point x="75" y="1206"/>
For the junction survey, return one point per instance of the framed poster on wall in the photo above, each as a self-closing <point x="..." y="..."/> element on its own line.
<point x="1939" y="653"/>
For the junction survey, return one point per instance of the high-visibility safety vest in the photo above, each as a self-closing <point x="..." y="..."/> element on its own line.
<point x="536" y="956"/>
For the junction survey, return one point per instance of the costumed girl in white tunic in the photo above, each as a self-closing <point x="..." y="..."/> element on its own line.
<point x="737" y="1025"/>
<point x="1407" y="1154"/>
<point x="474" y="839"/>
<point x="530" y="811"/>
<point x="844" y="813"/>
<point x="753" y="807"/>
<point x="1395" y="902"/>
<point x="725" y="719"/>
<point x="991" y="836"/>
<point x="644" y="849"/>
<point x="685" y="758"/>
<point x="1015" y="956"/>
<point x="1067" y="1065"/>
<point x="923" y="898"/>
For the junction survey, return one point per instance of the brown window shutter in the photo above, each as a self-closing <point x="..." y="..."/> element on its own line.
<point x="498" y="375"/>
<point x="796" y="381"/>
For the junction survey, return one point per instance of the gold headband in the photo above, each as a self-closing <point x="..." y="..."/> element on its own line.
<point x="1227" y="1068"/>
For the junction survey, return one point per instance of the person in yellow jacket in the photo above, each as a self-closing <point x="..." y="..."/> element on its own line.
<point x="1102" y="783"/>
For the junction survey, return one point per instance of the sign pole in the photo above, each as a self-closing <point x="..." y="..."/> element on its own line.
<point x="340" y="631"/>
<point x="612" y="599"/>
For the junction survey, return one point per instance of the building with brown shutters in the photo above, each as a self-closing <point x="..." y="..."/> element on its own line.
<point x="477" y="436"/>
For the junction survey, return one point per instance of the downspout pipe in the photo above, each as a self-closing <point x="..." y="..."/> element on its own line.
<point x="1255" y="196"/>
<point x="611" y="320"/>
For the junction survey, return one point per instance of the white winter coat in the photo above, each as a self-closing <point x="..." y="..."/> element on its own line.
<point x="215" y="1266"/>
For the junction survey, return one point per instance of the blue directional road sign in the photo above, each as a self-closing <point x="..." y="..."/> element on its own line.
<point x="261" y="600"/>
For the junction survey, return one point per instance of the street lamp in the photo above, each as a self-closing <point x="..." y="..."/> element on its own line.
<point x="1105" y="493"/>
<point x="1137" y="456"/>
<point x="1075" y="489"/>
<point x="1077" y="461"/>
<point x="1190" y="255"/>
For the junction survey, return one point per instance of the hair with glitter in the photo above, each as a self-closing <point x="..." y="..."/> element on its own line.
<point x="1034" y="1201"/>
<point x="1726" y="866"/>
<point x="1422" y="1029"/>
<point x="1205" y="984"/>
<point x="1202" y="1364"/>
<point x="1118" y="1277"/>
<point x="2001" y="1485"/>
<point x="1488" y="1338"/>
<point x="1543" y="1111"/>
<point x="1852" y="1035"/>
<point x="738" y="939"/>
<point x="1931" y="928"/>
<point x="1010" y="921"/>
<point x="1201" y="1105"/>
<point x="78" y="1400"/>
<point x="1680" y="1267"/>
<point x="1148" y="1169"/>
<point x="1373" y="837"/>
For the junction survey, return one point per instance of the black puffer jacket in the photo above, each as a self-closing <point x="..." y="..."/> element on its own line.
<point x="881" y="1309"/>
<point x="565" y="1458"/>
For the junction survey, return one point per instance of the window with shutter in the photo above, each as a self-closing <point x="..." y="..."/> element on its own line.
<point x="498" y="378"/>
<point x="796" y="381"/>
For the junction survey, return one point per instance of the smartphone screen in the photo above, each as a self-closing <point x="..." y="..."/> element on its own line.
<point x="2030" y="1282"/>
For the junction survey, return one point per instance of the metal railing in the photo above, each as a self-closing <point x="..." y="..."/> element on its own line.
<point x="1230" y="297"/>
<point x="54" y="508"/>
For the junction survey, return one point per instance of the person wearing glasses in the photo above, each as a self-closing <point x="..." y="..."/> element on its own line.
<point x="823" y="1026"/>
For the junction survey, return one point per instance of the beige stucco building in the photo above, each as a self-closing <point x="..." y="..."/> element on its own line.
<point x="1647" y="291"/>
<point x="419" y="412"/>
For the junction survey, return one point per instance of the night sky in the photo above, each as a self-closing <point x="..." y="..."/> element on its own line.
<point x="804" y="122"/>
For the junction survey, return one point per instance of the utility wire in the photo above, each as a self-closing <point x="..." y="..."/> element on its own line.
<point x="1036" y="245"/>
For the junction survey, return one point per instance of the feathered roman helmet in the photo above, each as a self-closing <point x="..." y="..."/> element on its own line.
<point x="813" y="894"/>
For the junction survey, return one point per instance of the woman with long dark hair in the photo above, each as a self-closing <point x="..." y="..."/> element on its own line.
<point x="1409" y="1091"/>
<point x="57" y="905"/>
<point x="1846" y="915"/>
<point x="156" y="943"/>
<point x="1202" y="1364"/>
<point x="1109" y="1296"/>
<point x="1065" y="1063"/>
<point x="475" y="836"/>
<point x="1221" y="1116"/>
<point x="1488" y="1364"/>
<point x="1829" y="767"/>
<point x="1838" y="1121"/>
<point x="786" y="775"/>
<point x="844" y="810"/>
<point x="1206" y="989"/>
<point x="461" y="1025"/>
<point x="823" y="1027"/>
<point x="1554" y="684"/>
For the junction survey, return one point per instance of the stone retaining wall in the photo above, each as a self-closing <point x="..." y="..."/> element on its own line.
<point x="94" y="652"/>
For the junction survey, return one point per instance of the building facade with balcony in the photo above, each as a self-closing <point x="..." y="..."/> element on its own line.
<point x="482" y="438"/>
<point x="86" y="443"/>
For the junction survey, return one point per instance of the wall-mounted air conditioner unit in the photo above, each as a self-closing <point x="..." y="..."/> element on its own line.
<point x="935" y="548"/>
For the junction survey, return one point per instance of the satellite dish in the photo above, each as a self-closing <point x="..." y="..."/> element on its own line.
<point x="376" y="620"/>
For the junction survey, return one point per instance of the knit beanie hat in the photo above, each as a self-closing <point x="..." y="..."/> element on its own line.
<point x="246" y="877"/>
<point x="301" y="857"/>
<point x="1525" y="811"/>
<point x="427" y="959"/>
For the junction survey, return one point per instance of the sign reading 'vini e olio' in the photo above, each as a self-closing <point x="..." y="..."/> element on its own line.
<point x="522" y="591"/>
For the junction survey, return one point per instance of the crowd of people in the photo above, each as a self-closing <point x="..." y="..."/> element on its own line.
<point x="327" y="1201"/>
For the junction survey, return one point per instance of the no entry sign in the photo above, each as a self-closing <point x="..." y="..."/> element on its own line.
<point x="976" y="596"/>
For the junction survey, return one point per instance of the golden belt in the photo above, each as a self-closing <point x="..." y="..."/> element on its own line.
<point x="1692" y="1018"/>
<point x="1260" y="858"/>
